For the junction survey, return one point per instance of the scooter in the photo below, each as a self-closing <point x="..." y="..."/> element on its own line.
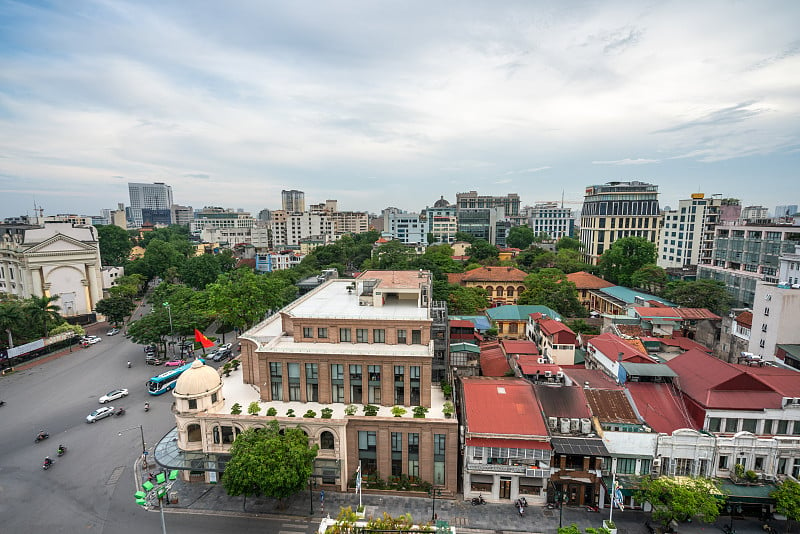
<point x="47" y="463"/>
<point x="478" y="500"/>
<point x="147" y="406"/>
<point x="41" y="437"/>
<point x="590" y="508"/>
<point x="120" y="411"/>
<point x="2" y="403"/>
<point x="61" y="450"/>
<point x="523" y="501"/>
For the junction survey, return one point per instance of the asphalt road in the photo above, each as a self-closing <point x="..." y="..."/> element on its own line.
<point x="90" y="488"/>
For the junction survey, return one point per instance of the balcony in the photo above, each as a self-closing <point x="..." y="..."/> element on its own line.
<point x="496" y="468"/>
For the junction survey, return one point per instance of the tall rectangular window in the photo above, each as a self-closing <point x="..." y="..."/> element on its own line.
<point x="312" y="387"/>
<point x="322" y="333"/>
<point x="374" y="392"/>
<point x="714" y="424"/>
<point x="345" y="335"/>
<point x="644" y="466"/>
<point x="362" y="335"/>
<point x="337" y="382"/>
<point x="401" y="337"/>
<point x="294" y="381"/>
<point x="276" y="380"/>
<point x="397" y="454"/>
<point x="308" y="332"/>
<point x="368" y="452"/>
<point x="415" y="386"/>
<point x="731" y="424"/>
<point x="378" y="335"/>
<point x="399" y="385"/>
<point x="413" y="455"/>
<point x="439" y="454"/>
<point x="416" y="337"/>
<point x="355" y="384"/>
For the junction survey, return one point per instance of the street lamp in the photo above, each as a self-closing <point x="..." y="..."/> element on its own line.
<point x="434" y="493"/>
<point x="558" y="497"/>
<point x="151" y="492"/>
<point x="731" y="509"/>
<point x="144" y="448"/>
<point x="169" y="312"/>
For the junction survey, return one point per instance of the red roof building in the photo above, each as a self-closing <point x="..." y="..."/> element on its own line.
<point x="660" y="406"/>
<point x="557" y="341"/>
<point x="502" y="284"/>
<point x="606" y="351"/>
<point x="514" y="346"/>
<point x="493" y="360"/>
<point x="584" y="282"/>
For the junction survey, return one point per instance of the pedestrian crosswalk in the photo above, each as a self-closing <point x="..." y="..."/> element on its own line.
<point x="293" y="528"/>
<point x="460" y="522"/>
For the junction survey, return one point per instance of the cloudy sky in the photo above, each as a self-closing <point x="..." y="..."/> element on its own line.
<point x="379" y="103"/>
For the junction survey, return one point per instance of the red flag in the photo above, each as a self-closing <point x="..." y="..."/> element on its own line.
<point x="203" y="340"/>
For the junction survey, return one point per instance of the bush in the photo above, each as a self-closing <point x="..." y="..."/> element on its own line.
<point x="327" y="413"/>
<point x="751" y="476"/>
<point x="399" y="411"/>
<point x="310" y="414"/>
<point x="370" y="410"/>
<point x="236" y="409"/>
<point x="254" y="408"/>
<point x="272" y="412"/>
<point x="350" y="409"/>
<point x="419" y="412"/>
<point x="448" y="409"/>
<point x="290" y="412"/>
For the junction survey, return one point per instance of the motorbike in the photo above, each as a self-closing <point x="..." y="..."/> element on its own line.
<point x="120" y="411"/>
<point x="129" y="365"/>
<point x="478" y="500"/>
<point x="590" y="508"/>
<point x="520" y="508"/>
<point x="47" y="463"/>
<point x="41" y="437"/>
<point x="147" y="406"/>
<point x="728" y="530"/>
<point x="61" y="450"/>
<point x="769" y="529"/>
<point x="524" y="502"/>
<point x="2" y="403"/>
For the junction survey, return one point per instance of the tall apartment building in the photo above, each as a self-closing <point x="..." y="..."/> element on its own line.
<point x="293" y="200"/>
<point x="746" y="254"/>
<point x="441" y="221"/>
<point x="688" y="232"/>
<point x="150" y="203"/>
<point x="483" y="223"/>
<point x="510" y="204"/>
<point x="182" y="215"/>
<point x="210" y="218"/>
<point x="350" y="222"/>
<point x="551" y="219"/>
<point x="408" y="228"/>
<point x="288" y="228"/>
<point x="615" y="210"/>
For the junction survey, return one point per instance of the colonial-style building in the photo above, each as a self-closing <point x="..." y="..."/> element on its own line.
<point x="502" y="284"/>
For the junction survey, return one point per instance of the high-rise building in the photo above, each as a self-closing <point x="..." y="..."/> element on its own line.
<point x="441" y="221"/>
<point x="786" y="210"/>
<point x="293" y="200"/>
<point x="182" y="215"/>
<point x="155" y="199"/>
<point x="688" y="232"/>
<point x="408" y="228"/>
<point x="510" y="204"/>
<point x="615" y="210"/>
<point x="548" y="218"/>
<point x="483" y="223"/>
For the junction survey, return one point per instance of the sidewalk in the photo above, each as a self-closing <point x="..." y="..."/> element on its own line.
<point x="494" y="518"/>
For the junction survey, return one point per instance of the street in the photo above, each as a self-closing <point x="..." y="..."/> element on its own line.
<point x="90" y="488"/>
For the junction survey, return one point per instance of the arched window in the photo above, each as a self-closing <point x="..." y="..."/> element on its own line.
<point x="520" y="289"/>
<point x="489" y="290"/>
<point x="499" y="291"/>
<point x="193" y="433"/>
<point x="326" y="440"/>
<point x="509" y="291"/>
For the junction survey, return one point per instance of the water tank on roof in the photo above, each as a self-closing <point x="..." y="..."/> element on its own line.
<point x="575" y="425"/>
<point x="586" y="426"/>
<point x="564" y="425"/>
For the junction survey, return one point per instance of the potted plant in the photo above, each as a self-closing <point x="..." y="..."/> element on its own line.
<point x="448" y="409"/>
<point x="290" y="412"/>
<point x="236" y="409"/>
<point x="399" y="411"/>
<point x="419" y="412"/>
<point x="226" y="369"/>
<point x="310" y="414"/>
<point x="271" y="411"/>
<point x="350" y="409"/>
<point x="326" y="413"/>
<point x="254" y="408"/>
<point x="370" y="410"/>
<point x="610" y="526"/>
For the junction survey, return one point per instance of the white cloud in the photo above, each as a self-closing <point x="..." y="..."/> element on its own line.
<point x="627" y="161"/>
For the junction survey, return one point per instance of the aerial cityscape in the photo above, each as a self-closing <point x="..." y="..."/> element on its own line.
<point x="456" y="267"/>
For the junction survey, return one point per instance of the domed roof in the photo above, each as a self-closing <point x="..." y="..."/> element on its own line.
<point x="441" y="203"/>
<point x="197" y="380"/>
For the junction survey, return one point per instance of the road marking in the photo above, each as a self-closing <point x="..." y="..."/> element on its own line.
<point x="461" y="521"/>
<point x="115" y="474"/>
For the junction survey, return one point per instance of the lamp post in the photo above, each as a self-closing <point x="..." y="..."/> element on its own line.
<point x="434" y="493"/>
<point x="169" y="313"/>
<point x="150" y="492"/>
<point x="731" y="509"/>
<point x="144" y="447"/>
<point x="558" y="497"/>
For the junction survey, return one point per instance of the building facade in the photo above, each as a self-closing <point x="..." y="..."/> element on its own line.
<point x="615" y="210"/>
<point x="293" y="200"/>
<point x="156" y="198"/>
<point x="688" y="232"/>
<point x="548" y="218"/>
<point x="408" y="228"/>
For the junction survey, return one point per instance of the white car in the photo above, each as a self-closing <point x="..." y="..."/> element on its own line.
<point x="113" y="395"/>
<point x="100" y="413"/>
<point x="91" y="340"/>
<point x="226" y="346"/>
<point x="113" y="332"/>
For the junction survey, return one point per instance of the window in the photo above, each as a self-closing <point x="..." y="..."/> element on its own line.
<point x="308" y="332"/>
<point x="644" y="466"/>
<point x="397" y="454"/>
<point x="415" y="385"/>
<point x="337" y="382"/>
<point x="714" y="424"/>
<point x="192" y="404"/>
<point x="626" y="466"/>
<point x="312" y="387"/>
<point x="783" y="427"/>
<point x="731" y="424"/>
<point x="749" y="425"/>
<point x="399" y="385"/>
<point x="413" y="455"/>
<point x="379" y="335"/>
<point x="767" y="426"/>
<point x="766" y="312"/>
<point x="416" y="337"/>
<point x="362" y="335"/>
<point x="322" y="333"/>
<point x="759" y="464"/>
<point x="193" y="433"/>
<point x="276" y="380"/>
<point x="723" y="462"/>
<point x="344" y="335"/>
<point x="326" y="441"/>
<point x="439" y="451"/>
<point x="374" y="391"/>
<point x="355" y="384"/>
<point x="294" y="381"/>
<point x="683" y="467"/>
<point x="764" y="327"/>
<point x="367" y="452"/>
<point x="401" y="337"/>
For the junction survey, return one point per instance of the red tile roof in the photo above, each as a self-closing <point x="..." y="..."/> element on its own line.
<point x="745" y="319"/>
<point x="511" y="346"/>
<point x="493" y="360"/>
<point x="648" y="312"/>
<point x="596" y="378"/>
<point x="501" y="406"/>
<point x="560" y="330"/>
<point x="462" y="323"/>
<point x="659" y="406"/>
<point x="693" y="314"/>
<point x="584" y="280"/>
<point x="495" y="274"/>
<point x="455" y="278"/>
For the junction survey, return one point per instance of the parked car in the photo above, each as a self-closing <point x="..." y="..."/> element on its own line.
<point x="153" y="360"/>
<point x="113" y="332"/>
<point x="175" y="363"/>
<point x="100" y="413"/>
<point x="90" y="340"/>
<point x="225" y="346"/>
<point x="222" y="355"/>
<point x="113" y="395"/>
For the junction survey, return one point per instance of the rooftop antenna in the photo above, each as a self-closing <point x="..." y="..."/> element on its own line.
<point x="562" y="198"/>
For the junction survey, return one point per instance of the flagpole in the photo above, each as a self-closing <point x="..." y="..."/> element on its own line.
<point x="359" y="484"/>
<point x="613" y="495"/>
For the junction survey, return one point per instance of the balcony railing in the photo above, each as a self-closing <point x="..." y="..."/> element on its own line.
<point x="496" y="468"/>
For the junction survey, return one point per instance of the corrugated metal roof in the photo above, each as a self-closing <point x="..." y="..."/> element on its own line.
<point x="629" y="295"/>
<point x="502" y="406"/>
<point x="562" y="401"/>
<point x="510" y="443"/>
<point x="512" y="346"/>
<point x="518" y="312"/>
<point x="659" y="406"/>
<point x="611" y="406"/>
<point x="493" y="360"/>
<point x="648" y="369"/>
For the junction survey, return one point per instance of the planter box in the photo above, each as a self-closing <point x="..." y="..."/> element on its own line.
<point x="607" y="527"/>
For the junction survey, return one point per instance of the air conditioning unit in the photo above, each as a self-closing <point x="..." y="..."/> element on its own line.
<point x="586" y="426"/>
<point x="575" y="425"/>
<point x="540" y="361"/>
<point x="548" y="374"/>
<point x="560" y="375"/>
<point x="552" y="422"/>
<point x="564" y="425"/>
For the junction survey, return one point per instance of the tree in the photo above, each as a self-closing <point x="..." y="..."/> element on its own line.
<point x="650" y="278"/>
<point x="787" y="500"/>
<point x="116" y="308"/>
<point x="115" y="244"/>
<point x="625" y="257"/>
<point x="270" y="463"/>
<point x="41" y="310"/>
<point x="463" y="236"/>
<point x="579" y="326"/>
<point x="520" y="237"/>
<point x="481" y="250"/>
<point x="242" y="298"/>
<point x="534" y="258"/>
<point x="199" y="271"/>
<point x="569" y="243"/>
<point x="679" y="500"/>
<point x="391" y="256"/>
<point x="467" y="300"/>
<point x="711" y="294"/>
<point x="11" y="315"/>
<point x="568" y="260"/>
<point x="550" y="287"/>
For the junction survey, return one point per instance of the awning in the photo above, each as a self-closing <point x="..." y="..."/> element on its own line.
<point x="579" y="446"/>
<point x="744" y="494"/>
<point x="510" y="443"/>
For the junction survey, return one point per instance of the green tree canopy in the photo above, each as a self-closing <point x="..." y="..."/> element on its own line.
<point x="116" y="308"/>
<point x="569" y="260"/>
<point x="651" y="278"/>
<point x="625" y="257"/>
<point x="242" y="298"/>
<point x="681" y="499"/>
<point x="569" y="243"/>
<point x="463" y="236"/>
<point x="11" y="318"/>
<point x="393" y="255"/>
<point x="535" y="258"/>
<point x="269" y="463"/>
<point x="711" y="294"/>
<point x="520" y="237"/>
<point x="467" y="300"/>
<point x="199" y="271"/>
<point x="115" y="244"/>
<point x="41" y="311"/>
<point x="787" y="500"/>
<point x="481" y="250"/>
<point x="550" y="287"/>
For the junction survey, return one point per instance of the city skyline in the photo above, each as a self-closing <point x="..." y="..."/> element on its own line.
<point x="379" y="105"/>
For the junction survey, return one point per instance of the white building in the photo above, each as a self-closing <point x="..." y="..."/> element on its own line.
<point x="288" y="228"/>
<point x="408" y="228"/>
<point x="278" y="261"/>
<point x="776" y="309"/>
<point x="688" y="232"/>
<point x="212" y="218"/>
<point x="156" y="196"/>
<point x="548" y="218"/>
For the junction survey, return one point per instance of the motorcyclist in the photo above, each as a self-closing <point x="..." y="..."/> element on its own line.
<point x="41" y="435"/>
<point x="47" y="461"/>
<point x="146" y="406"/>
<point x="129" y="365"/>
<point x="62" y="449"/>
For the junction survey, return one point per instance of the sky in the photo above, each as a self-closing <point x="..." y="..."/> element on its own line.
<point x="395" y="103"/>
